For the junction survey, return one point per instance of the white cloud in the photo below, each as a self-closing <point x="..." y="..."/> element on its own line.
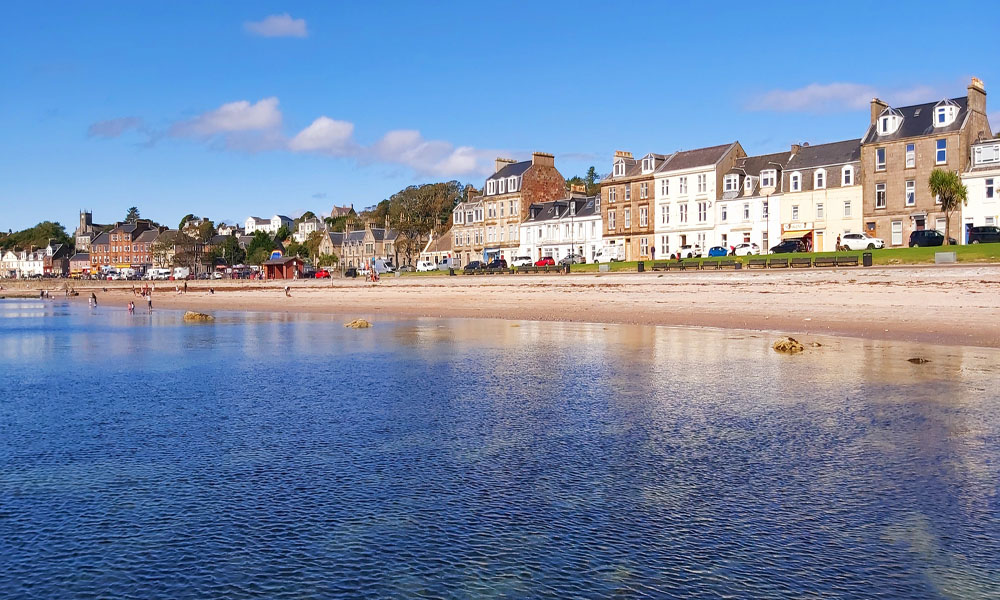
<point x="113" y="128"/>
<point x="325" y="135"/>
<point x="232" y="117"/>
<point x="282" y="25"/>
<point x="837" y="97"/>
<point x="432" y="157"/>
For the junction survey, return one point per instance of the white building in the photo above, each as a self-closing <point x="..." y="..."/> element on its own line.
<point x="561" y="227"/>
<point x="750" y="208"/>
<point x="687" y="187"/>
<point x="306" y="228"/>
<point x="983" y="183"/>
<point x="271" y="226"/>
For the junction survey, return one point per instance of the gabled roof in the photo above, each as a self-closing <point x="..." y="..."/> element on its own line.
<point x="511" y="170"/>
<point x="336" y="237"/>
<point x="918" y="120"/>
<point x="586" y="206"/>
<point x="104" y="238"/>
<point x="753" y="165"/>
<point x="260" y="221"/>
<point x="147" y="236"/>
<point x="439" y="244"/>
<point x="822" y="155"/>
<point x="283" y="218"/>
<point x="691" y="159"/>
<point x="80" y="257"/>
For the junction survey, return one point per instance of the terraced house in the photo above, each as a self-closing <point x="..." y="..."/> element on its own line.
<point x="748" y="211"/>
<point x="900" y="149"/>
<point x="687" y="186"/>
<point x="823" y="194"/>
<point x="627" y="203"/>
<point x="571" y="225"/>
<point x="982" y="179"/>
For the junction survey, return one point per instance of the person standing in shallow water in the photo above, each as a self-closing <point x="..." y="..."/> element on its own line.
<point x="149" y="302"/>
<point x="93" y="299"/>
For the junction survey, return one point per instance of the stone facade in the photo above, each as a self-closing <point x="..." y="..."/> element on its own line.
<point x="627" y="204"/>
<point x="982" y="180"/>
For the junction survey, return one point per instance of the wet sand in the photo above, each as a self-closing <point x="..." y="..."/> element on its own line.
<point x="955" y="305"/>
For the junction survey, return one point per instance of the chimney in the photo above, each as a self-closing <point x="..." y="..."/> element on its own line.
<point x="977" y="96"/>
<point x="622" y="154"/>
<point x="542" y="159"/>
<point x="795" y="149"/>
<point x="577" y="188"/>
<point x="503" y="162"/>
<point x="877" y="107"/>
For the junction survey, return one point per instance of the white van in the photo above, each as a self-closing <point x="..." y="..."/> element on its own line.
<point x="609" y="254"/>
<point x="181" y="272"/>
<point x="447" y="263"/>
<point x="424" y="266"/>
<point x="157" y="274"/>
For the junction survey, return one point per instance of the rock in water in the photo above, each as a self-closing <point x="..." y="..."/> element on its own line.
<point x="197" y="316"/>
<point x="918" y="360"/>
<point x="358" y="324"/>
<point x="788" y="345"/>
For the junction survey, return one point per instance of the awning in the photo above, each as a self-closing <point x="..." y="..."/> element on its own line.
<point x="796" y="234"/>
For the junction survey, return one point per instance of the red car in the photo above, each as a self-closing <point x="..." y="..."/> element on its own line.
<point x="322" y="274"/>
<point x="545" y="262"/>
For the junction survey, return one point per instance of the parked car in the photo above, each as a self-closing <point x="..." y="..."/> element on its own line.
<point x="928" y="237"/>
<point x="351" y="272"/>
<point x="860" y="241"/>
<point x="717" y="251"/>
<point x="746" y="249"/>
<point x="406" y="269"/>
<point x="573" y="259"/>
<point x="984" y="235"/>
<point x="793" y="245"/>
<point x="545" y="261"/>
<point x="424" y="266"/>
<point x="521" y="261"/>
<point x="475" y="265"/>
<point x="217" y="275"/>
<point x="690" y="251"/>
<point x="497" y="263"/>
<point x="322" y="274"/>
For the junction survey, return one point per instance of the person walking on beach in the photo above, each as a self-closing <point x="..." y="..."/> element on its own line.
<point x="287" y="294"/>
<point x="185" y="286"/>
<point x="131" y="307"/>
<point x="93" y="300"/>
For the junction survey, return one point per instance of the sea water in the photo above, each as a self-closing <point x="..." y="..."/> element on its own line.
<point x="284" y="456"/>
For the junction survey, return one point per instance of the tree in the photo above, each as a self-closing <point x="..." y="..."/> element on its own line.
<point x="260" y="247"/>
<point x="593" y="181"/>
<point x="132" y="215"/>
<point x="575" y="180"/>
<point x="947" y="186"/>
<point x="229" y="251"/>
<point x="205" y="231"/>
<point x="338" y="223"/>
<point x="327" y="260"/>
<point x="38" y="236"/>
<point x="185" y="219"/>
<point x="313" y="241"/>
<point x="283" y="233"/>
<point x="297" y="249"/>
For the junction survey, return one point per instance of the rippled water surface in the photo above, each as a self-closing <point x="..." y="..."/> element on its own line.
<point x="288" y="457"/>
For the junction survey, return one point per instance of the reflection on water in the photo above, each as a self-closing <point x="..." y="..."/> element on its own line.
<point x="286" y="457"/>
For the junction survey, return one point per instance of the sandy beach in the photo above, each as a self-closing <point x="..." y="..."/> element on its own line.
<point x="956" y="305"/>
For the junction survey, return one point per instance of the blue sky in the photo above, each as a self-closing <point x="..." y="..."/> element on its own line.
<point x="235" y="108"/>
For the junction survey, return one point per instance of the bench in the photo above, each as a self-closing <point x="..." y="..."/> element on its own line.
<point x="847" y="261"/>
<point x="825" y="261"/>
<point x="757" y="263"/>
<point x="710" y="265"/>
<point x="692" y="265"/>
<point x="527" y="269"/>
<point x="728" y="263"/>
<point x="801" y="263"/>
<point x="661" y="266"/>
<point x="777" y="263"/>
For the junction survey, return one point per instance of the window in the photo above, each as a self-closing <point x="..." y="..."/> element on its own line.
<point x="880" y="159"/>
<point x="987" y="154"/>
<point x="879" y="195"/>
<point x="664" y="245"/>
<point x="746" y="211"/>
<point x="768" y="178"/>
<point x="819" y="179"/>
<point x="722" y="213"/>
<point x="731" y="183"/>
<point x="627" y="214"/>
<point x="512" y="184"/>
<point x="940" y="225"/>
<point x="665" y="214"/>
<point x="513" y="208"/>
<point x="664" y="187"/>
<point x="911" y="156"/>
<point x="795" y="212"/>
<point x="683" y="211"/>
<point x="611" y="220"/>
<point x="628" y="192"/>
<point x="612" y="195"/>
<point x="763" y="211"/>
<point x="702" y="212"/>
<point x="795" y="182"/>
<point x="819" y="210"/>
<point x="502" y="186"/>
<point x="702" y="184"/>
<point x="643" y="216"/>
<point x="501" y="209"/>
<point x="644" y="246"/>
<point x="647" y="165"/>
<point x="848" y="175"/>
<point x="619" y="168"/>
<point x="748" y="186"/>
<point x="990" y="188"/>
<point x="643" y="190"/>
<point x="847" y="209"/>
<point x="682" y="183"/>
<point x="911" y="192"/>
<point x="942" y="152"/>
<point x="491" y="187"/>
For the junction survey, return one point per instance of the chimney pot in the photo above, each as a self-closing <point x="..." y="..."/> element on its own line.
<point x="877" y="107"/>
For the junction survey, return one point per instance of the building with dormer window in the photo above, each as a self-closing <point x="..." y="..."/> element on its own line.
<point x="570" y="225"/>
<point x="982" y="180"/>
<point x="688" y="186"/>
<point x="749" y="209"/>
<point x="901" y="148"/>
<point x="627" y="205"/>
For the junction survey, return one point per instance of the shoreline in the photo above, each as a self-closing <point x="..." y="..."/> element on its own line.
<point x="948" y="305"/>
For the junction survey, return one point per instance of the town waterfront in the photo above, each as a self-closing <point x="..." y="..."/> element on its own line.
<point x="284" y="456"/>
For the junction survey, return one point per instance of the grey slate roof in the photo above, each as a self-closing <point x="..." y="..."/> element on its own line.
<point x="690" y="159"/>
<point x="753" y="165"/>
<point x="511" y="170"/>
<point x="80" y="257"/>
<point x="821" y="155"/>
<point x="586" y="206"/>
<point x="918" y="120"/>
<point x="336" y="237"/>
<point x="149" y="236"/>
<point x="104" y="238"/>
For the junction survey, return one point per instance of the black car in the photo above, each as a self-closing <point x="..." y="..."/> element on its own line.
<point x="928" y="237"/>
<point x="788" y="246"/>
<point x="475" y="265"/>
<point x="351" y="272"/>
<point x="984" y="235"/>
<point x="497" y="263"/>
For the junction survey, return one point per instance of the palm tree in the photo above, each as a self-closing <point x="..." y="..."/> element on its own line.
<point x="947" y="186"/>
